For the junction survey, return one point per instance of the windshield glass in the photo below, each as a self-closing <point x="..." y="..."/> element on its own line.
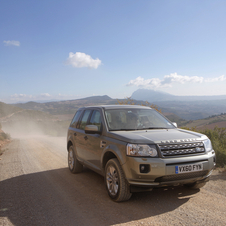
<point x="136" y="119"/>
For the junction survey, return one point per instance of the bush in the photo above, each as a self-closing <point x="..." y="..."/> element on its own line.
<point x="218" y="139"/>
<point x="4" y="136"/>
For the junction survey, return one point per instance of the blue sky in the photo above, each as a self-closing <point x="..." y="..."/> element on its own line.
<point x="73" y="49"/>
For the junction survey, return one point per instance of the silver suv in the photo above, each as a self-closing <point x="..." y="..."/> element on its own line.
<point x="136" y="149"/>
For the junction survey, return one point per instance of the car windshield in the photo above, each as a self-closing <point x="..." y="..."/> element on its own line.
<point x="135" y="119"/>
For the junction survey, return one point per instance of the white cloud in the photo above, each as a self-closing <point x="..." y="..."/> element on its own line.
<point x="168" y="80"/>
<point x="18" y="95"/>
<point x="11" y="43"/>
<point x="139" y="81"/>
<point x="79" y="59"/>
<point x="45" y="95"/>
<point x="174" y="77"/>
<point x="218" y="79"/>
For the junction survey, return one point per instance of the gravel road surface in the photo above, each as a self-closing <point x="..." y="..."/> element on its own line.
<point x="36" y="188"/>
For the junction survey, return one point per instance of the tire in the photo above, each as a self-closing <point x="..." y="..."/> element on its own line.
<point x="74" y="165"/>
<point x="116" y="184"/>
<point x="195" y="185"/>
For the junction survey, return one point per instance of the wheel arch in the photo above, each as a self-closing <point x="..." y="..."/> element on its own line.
<point x="69" y="143"/>
<point x="107" y="156"/>
<point x="112" y="151"/>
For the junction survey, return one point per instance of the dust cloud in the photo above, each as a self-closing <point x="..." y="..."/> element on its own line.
<point x="24" y="129"/>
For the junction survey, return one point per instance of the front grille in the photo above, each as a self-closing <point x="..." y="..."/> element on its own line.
<point x="183" y="176"/>
<point x="168" y="150"/>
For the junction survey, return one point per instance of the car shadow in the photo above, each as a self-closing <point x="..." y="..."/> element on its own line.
<point x="57" y="197"/>
<point x="218" y="176"/>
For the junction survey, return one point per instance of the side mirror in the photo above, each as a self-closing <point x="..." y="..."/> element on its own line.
<point x="175" y="124"/>
<point x="92" y="129"/>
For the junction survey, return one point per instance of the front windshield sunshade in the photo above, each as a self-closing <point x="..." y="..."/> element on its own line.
<point x="135" y="119"/>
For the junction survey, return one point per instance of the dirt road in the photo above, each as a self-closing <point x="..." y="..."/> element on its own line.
<point x="36" y="188"/>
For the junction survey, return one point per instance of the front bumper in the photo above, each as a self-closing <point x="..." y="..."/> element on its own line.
<point x="160" y="172"/>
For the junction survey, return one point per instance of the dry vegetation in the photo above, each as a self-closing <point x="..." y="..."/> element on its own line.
<point x="4" y="139"/>
<point x="218" y="139"/>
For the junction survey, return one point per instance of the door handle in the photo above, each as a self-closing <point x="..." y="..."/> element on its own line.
<point x="103" y="143"/>
<point x="85" y="137"/>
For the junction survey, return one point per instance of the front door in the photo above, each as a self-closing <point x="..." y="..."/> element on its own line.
<point x="93" y="144"/>
<point x="81" y="137"/>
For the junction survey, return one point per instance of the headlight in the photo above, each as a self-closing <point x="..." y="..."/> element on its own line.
<point x="208" y="145"/>
<point x="141" y="150"/>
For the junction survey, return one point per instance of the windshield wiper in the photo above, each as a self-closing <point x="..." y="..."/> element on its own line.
<point x="156" y="128"/>
<point x="123" y="129"/>
<point x="138" y="129"/>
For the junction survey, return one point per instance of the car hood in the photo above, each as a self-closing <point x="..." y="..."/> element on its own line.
<point x="157" y="136"/>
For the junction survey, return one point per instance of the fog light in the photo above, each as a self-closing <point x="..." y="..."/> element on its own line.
<point x="144" y="168"/>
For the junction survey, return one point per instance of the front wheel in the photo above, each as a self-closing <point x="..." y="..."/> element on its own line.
<point x="116" y="184"/>
<point x="74" y="165"/>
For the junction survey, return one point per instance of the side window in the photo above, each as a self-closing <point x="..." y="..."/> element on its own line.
<point x="96" y="119"/>
<point x="84" y="120"/>
<point x="75" y="119"/>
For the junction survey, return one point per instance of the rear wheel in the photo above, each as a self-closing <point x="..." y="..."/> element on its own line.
<point x="116" y="184"/>
<point x="74" y="165"/>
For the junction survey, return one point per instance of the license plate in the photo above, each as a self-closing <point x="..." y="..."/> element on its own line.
<point x="189" y="168"/>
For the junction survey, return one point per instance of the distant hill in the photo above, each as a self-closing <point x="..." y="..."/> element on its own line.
<point x="186" y="107"/>
<point x="96" y="99"/>
<point x="151" y="95"/>
<point x="192" y="110"/>
<point x="185" y="110"/>
<point x="207" y="123"/>
<point x="6" y="109"/>
<point x="155" y="96"/>
<point x="67" y="106"/>
<point x="175" y="118"/>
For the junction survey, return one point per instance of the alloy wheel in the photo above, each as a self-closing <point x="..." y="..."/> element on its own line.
<point x="112" y="180"/>
<point x="71" y="159"/>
